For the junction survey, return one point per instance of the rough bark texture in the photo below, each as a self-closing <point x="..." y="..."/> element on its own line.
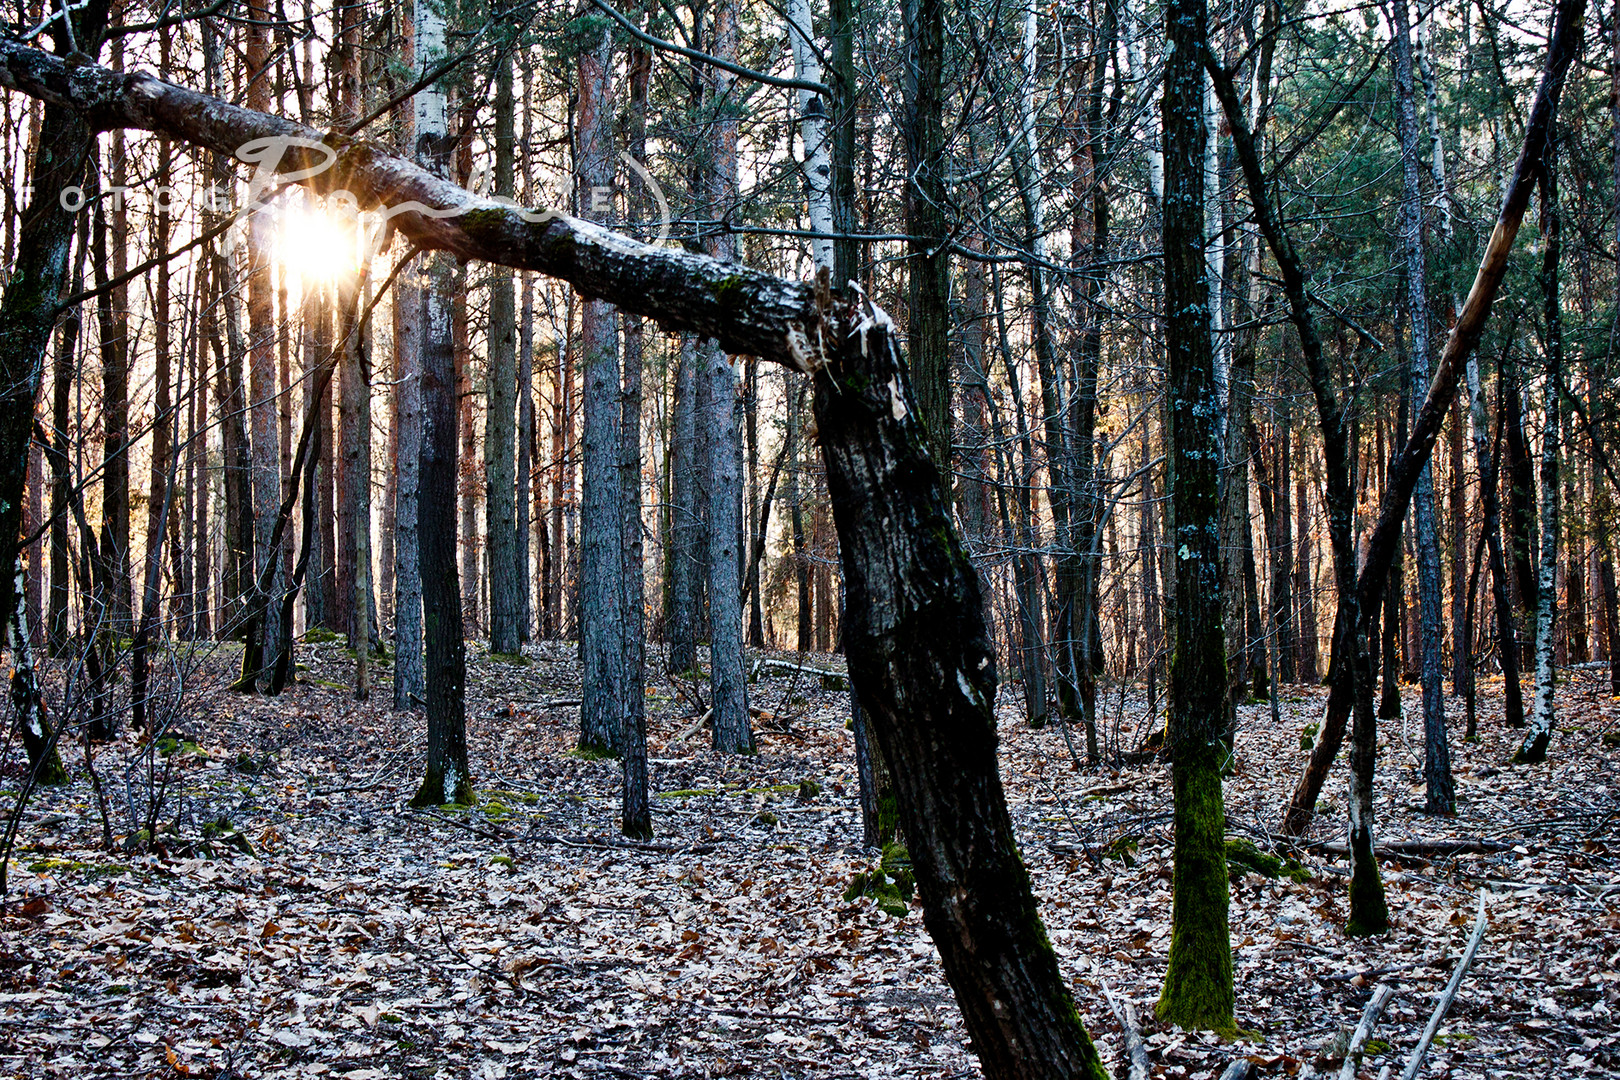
<point x="601" y="523"/>
<point x="1489" y="461"/>
<point x="263" y="388"/>
<point x="1534" y="747"/>
<point x="719" y="372"/>
<point x="448" y="779"/>
<point x="685" y="592"/>
<point x="500" y="509"/>
<point x="447" y="776"/>
<point x="931" y="710"/>
<point x="409" y="677"/>
<point x="1441" y="795"/>
<point x="27" y="309"/>
<point x="1197" y="989"/>
<point x="928" y="328"/>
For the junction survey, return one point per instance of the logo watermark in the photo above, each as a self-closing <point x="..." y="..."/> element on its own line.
<point x="268" y="180"/>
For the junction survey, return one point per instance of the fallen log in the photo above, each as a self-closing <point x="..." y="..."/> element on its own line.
<point x="1364" y="1029"/>
<point x="1135" y="1048"/>
<point x="807" y="669"/>
<point x="1420" y="848"/>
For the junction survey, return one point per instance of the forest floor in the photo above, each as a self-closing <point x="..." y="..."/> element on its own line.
<point x="522" y="937"/>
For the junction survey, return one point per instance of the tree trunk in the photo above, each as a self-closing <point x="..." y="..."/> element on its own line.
<point x="448" y="778"/>
<point x="410" y="302"/>
<point x="1197" y="989"/>
<point x="932" y="710"/>
<point x="1521" y="500"/>
<point x="925" y="199"/>
<point x="1534" y="747"/>
<point x="727" y="675"/>
<point x="636" y="817"/>
<point x="263" y="387"/>
<point x="1441" y="795"/>
<point x="409" y="676"/>
<point x="680" y="625"/>
<point x="355" y="393"/>
<point x="39" y="742"/>
<point x="602" y="516"/>
<point x="505" y="587"/>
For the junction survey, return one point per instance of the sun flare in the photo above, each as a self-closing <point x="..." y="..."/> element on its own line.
<point x="315" y="244"/>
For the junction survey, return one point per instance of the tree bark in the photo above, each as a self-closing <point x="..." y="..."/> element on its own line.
<point x="1441" y="794"/>
<point x="263" y="387"/>
<point x="685" y="571"/>
<point x="932" y="710"/>
<point x="923" y="130"/>
<point x="448" y="778"/>
<point x="500" y="520"/>
<point x="601" y="578"/>
<point x="1489" y="464"/>
<point x="1197" y="990"/>
<point x="727" y="676"/>
<point x="1536" y="739"/>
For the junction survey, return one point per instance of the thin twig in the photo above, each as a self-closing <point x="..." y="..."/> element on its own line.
<point x="1450" y="994"/>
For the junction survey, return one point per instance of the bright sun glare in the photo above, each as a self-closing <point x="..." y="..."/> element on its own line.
<point x="316" y="245"/>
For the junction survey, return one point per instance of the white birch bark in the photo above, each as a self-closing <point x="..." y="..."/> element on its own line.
<point x="813" y="131"/>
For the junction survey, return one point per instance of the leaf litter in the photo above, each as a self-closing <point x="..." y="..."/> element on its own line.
<point x="523" y="937"/>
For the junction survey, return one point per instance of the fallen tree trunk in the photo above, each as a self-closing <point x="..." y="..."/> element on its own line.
<point x="922" y="664"/>
<point x="1364" y="1030"/>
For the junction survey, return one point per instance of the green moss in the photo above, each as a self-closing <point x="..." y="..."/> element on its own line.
<point x="432" y="793"/>
<point x="516" y="659"/>
<point x="687" y="793"/>
<point x="888" y="816"/>
<point x="1123" y="848"/>
<point x="591" y="752"/>
<point x="1369" y="914"/>
<point x="1375" y="1047"/>
<point x="502" y="860"/>
<point x="319" y="635"/>
<point x="890" y="884"/>
<point x="808" y="790"/>
<point x="1197" y="992"/>
<point x="728" y="290"/>
<point x="1307" y="738"/>
<point x="772" y="789"/>
<point x="88" y="869"/>
<point x="1243" y="857"/>
<point x="766" y="818"/>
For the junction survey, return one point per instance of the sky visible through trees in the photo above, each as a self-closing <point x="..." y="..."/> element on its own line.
<point x="961" y="535"/>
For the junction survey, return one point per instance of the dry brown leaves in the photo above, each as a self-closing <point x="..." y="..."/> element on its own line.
<point x="521" y="939"/>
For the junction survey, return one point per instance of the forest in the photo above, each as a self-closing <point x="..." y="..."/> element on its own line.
<point x="731" y="537"/>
